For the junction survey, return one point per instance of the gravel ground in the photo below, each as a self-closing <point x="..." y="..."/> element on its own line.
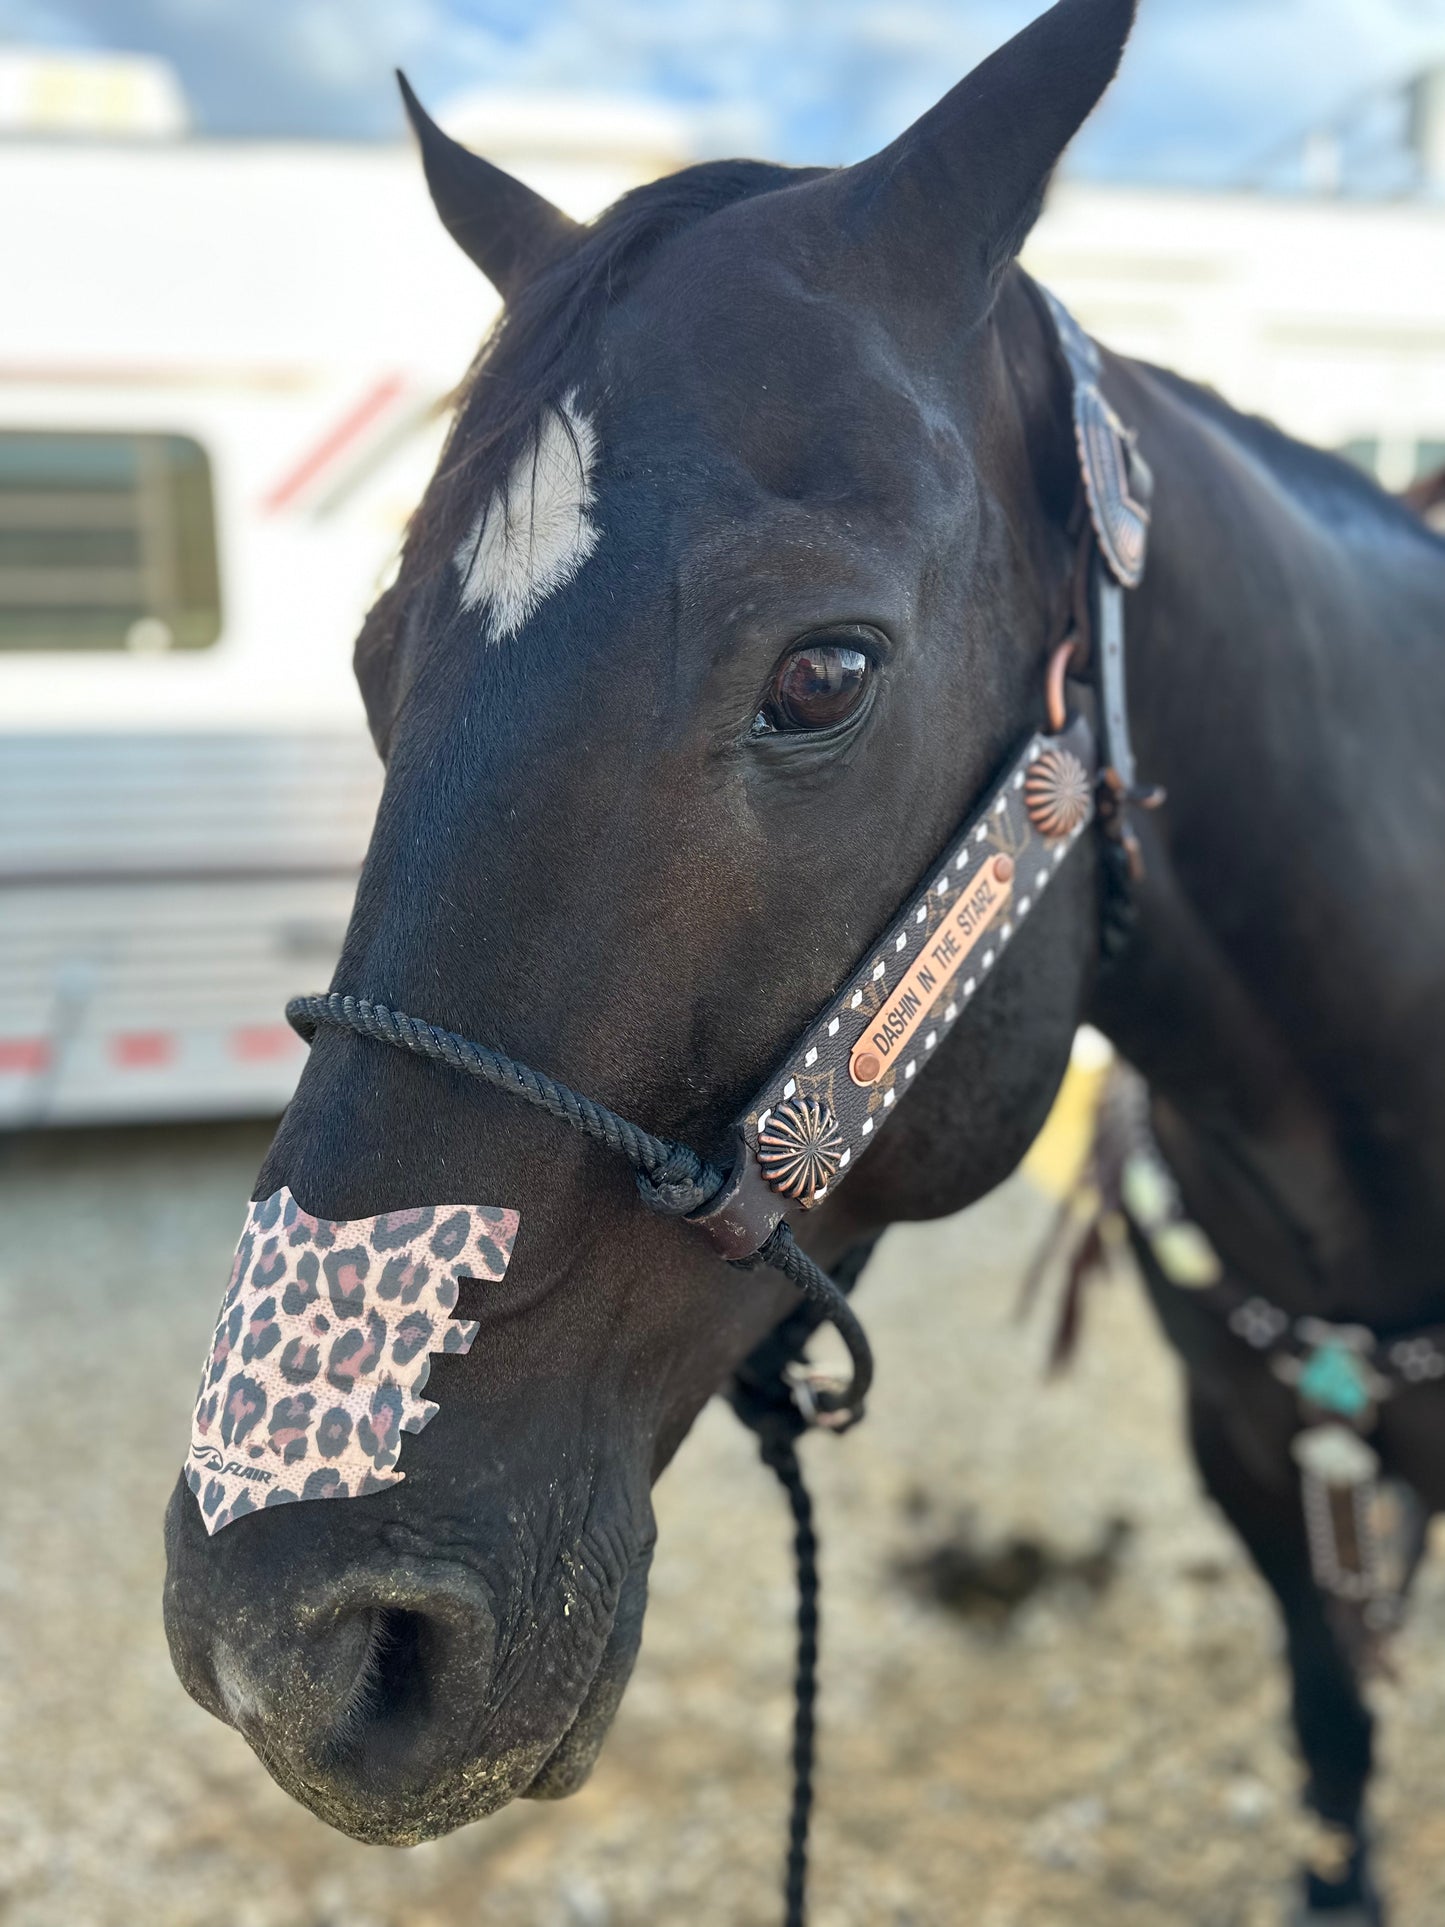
<point x="1111" y="1754"/>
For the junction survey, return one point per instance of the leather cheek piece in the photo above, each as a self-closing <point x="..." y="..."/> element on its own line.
<point x="323" y="1348"/>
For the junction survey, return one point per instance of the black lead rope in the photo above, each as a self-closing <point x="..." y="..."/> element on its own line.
<point x="674" y="1181"/>
<point x="780" y="1454"/>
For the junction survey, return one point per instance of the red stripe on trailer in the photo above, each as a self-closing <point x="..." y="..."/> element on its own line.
<point x="29" y="1055"/>
<point x="316" y="459"/>
<point x="136" y="1050"/>
<point x="258" y="1043"/>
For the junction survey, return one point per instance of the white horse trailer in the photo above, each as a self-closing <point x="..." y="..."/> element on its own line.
<point x="222" y="376"/>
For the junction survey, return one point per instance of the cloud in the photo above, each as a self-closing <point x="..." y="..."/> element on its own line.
<point x="1208" y="85"/>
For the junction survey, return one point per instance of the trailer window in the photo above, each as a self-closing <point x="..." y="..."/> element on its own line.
<point x="106" y="542"/>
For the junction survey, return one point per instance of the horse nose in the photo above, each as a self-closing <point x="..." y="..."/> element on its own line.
<point x="364" y="1702"/>
<point x="372" y="1702"/>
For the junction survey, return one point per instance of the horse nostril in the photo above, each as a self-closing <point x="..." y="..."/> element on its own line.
<point x="392" y="1684"/>
<point x="421" y="1673"/>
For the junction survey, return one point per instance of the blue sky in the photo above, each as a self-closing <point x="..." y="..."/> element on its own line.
<point x="1208" y="86"/>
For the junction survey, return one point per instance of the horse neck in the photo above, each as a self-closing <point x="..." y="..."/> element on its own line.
<point x="1257" y="993"/>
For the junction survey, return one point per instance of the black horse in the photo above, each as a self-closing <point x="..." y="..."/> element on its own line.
<point x="732" y="594"/>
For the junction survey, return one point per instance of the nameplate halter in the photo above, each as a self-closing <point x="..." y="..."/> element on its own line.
<point x="840" y="1083"/>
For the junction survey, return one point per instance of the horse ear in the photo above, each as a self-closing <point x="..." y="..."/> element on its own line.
<point x="503" y="225"/>
<point x="972" y="172"/>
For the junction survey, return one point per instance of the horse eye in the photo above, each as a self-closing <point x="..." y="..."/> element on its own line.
<point x="816" y="686"/>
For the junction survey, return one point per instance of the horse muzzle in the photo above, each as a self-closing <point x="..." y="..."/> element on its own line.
<point x="375" y="1697"/>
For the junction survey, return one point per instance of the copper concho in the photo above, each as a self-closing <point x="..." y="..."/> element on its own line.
<point x="799" y="1148"/>
<point x="1056" y="793"/>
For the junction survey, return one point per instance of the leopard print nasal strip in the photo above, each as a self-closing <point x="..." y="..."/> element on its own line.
<point x="323" y="1346"/>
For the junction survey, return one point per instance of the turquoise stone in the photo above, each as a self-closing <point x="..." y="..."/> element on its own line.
<point x="1335" y="1380"/>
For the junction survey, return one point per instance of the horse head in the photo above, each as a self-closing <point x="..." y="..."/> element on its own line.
<point x="733" y="589"/>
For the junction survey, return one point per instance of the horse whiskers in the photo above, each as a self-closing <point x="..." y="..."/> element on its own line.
<point x="365" y="1693"/>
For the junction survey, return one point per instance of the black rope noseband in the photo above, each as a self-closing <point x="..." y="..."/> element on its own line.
<point x="671" y="1178"/>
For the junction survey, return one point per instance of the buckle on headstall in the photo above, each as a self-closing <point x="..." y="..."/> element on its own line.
<point x="1116" y="799"/>
<point x="1116" y="793"/>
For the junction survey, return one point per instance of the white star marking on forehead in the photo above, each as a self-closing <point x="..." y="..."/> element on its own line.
<point x="534" y="533"/>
